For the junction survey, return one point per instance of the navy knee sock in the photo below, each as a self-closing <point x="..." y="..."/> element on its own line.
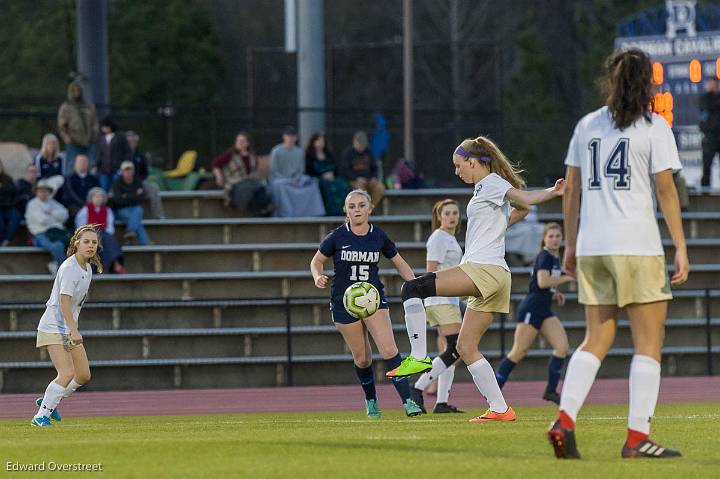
<point x="367" y="381"/>
<point x="555" y="366"/>
<point x="503" y="372"/>
<point x="401" y="384"/>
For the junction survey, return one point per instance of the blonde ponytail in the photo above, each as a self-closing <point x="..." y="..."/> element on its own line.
<point x="484" y="150"/>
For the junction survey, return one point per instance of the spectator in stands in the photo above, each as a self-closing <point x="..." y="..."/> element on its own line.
<point x="112" y="151"/>
<point x="25" y="188"/>
<point x="78" y="126"/>
<point x="236" y="172"/>
<point x="49" y="160"/>
<point x="320" y="163"/>
<point x="127" y="192"/>
<point x="294" y="193"/>
<point x="710" y="127"/>
<point x="9" y="216"/>
<point x="51" y="164"/>
<point x="78" y="185"/>
<point x="152" y="190"/>
<point x="358" y="167"/>
<point x="97" y="212"/>
<point x="45" y="220"/>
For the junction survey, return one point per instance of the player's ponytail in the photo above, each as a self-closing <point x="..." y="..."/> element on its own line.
<point x="72" y="247"/>
<point x="627" y="87"/>
<point x="484" y="150"/>
<point x="548" y="227"/>
<point x="437" y="212"/>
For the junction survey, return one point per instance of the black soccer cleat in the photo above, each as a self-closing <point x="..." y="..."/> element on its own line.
<point x="443" y="407"/>
<point x="563" y="441"/>
<point x="649" y="449"/>
<point x="417" y="396"/>
<point x="552" y="396"/>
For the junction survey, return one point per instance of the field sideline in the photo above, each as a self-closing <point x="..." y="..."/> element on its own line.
<point x="346" y="444"/>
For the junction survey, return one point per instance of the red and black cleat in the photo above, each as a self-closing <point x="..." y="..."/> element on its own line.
<point x="649" y="449"/>
<point x="563" y="441"/>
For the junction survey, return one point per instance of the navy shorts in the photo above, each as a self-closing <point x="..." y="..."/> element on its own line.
<point x="533" y="318"/>
<point x="340" y="315"/>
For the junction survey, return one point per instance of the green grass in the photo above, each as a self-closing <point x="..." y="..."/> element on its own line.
<point x="345" y="444"/>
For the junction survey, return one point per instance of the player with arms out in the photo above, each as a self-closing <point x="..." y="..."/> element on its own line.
<point x="615" y="156"/>
<point x="355" y="248"/>
<point x="58" y="328"/>
<point x="443" y="251"/>
<point x="483" y="275"/>
<point x="534" y="314"/>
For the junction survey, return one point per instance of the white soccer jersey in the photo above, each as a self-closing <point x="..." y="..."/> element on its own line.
<point x="488" y="213"/>
<point x="617" y="213"/>
<point x="445" y="249"/>
<point x="71" y="280"/>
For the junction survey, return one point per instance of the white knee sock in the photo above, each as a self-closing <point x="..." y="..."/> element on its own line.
<point x="53" y="395"/>
<point x="644" y="390"/>
<point x="484" y="378"/>
<point x="445" y="381"/>
<point x="438" y="367"/>
<point x="71" y="388"/>
<point x="579" y="378"/>
<point x="416" y="327"/>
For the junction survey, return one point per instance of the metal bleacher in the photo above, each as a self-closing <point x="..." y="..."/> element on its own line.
<point x="225" y="300"/>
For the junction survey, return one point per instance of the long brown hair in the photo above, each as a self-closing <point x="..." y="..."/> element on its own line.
<point x="437" y="212"/>
<point x="548" y="227"/>
<point x="72" y="248"/>
<point x="627" y="87"/>
<point x="499" y="163"/>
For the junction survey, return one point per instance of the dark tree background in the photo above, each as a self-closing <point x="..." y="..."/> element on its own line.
<point x="521" y="71"/>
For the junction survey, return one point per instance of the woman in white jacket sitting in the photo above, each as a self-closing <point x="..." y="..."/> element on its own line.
<point x="45" y="219"/>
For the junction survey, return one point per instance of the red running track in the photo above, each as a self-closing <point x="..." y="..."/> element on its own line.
<point x="326" y="398"/>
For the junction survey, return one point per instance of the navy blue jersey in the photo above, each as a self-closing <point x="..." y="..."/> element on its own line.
<point x="540" y="299"/>
<point x="355" y="258"/>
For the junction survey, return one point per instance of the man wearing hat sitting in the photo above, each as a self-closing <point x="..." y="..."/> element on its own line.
<point x="45" y="219"/>
<point x="127" y="192"/>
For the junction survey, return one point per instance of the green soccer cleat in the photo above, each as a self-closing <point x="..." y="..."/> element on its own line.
<point x="41" y="421"/>
<point x="372" y="409"/>
<point x="410" y="366"/>
<point x="55" y="415"/>
<point x="412" y="409"/>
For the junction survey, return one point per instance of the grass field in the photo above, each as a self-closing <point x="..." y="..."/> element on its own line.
<point x="345" y="444"/>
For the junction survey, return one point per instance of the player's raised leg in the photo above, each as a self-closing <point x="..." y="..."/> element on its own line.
<point x="448" y="282"/>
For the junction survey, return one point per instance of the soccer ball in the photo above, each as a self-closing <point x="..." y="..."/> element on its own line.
<point x="361" y="300"/>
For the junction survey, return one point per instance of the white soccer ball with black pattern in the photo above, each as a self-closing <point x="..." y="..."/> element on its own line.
<point x="361" y="300"/>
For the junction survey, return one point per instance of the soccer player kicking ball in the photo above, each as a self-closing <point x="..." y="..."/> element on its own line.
<point x="58" y="328"/>
<point x="615" y="155"/>
<point x="355" y="248"/>
<point x="483" y="275"/>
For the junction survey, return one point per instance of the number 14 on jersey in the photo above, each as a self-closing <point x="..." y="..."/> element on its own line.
<point x="616" y="168"/>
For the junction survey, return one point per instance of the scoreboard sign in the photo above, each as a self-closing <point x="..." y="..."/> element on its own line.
<point x="683" y="40"/>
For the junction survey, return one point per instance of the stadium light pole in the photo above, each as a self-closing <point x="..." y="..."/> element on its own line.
<point x="310" y="67"/>
<point x="92" y="52"/>
<point x="408" y="146"/>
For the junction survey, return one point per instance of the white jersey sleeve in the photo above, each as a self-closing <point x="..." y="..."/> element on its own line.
<point x="436" y="248"/>
<point x="663" y="149"/>
<point x="494" y="188"/>
<point x="573" y="157"/>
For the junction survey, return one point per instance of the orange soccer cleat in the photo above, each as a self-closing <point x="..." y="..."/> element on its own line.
<point x="489" y="415"/>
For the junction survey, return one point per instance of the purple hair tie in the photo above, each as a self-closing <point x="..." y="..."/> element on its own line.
<point x="460" y="151"/>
